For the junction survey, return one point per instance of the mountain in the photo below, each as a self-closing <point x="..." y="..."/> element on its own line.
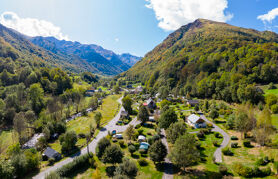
<point x="129" y="59"/>
<point x="104" y="61"/>
<point x="211" y="59"/>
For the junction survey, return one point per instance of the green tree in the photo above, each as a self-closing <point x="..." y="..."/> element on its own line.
<point x="175" y="131"/>
<point x="157" y="151"/>
<point x="127" y="104"/>
<point x="129" y="132"/>
<point x="143" y="114"/>
<point x="167" y="118"/>
<point x="94" y="103"/>
<point x="116" y="89"/>
<point x="68" y="141"/>
<point x="36" y="97"/>
<point x="112" y="154"/>
<point x="101" y="146"/>
<point x="213" y="114"/>
<point x="98" y="117"/>
<point x="131" y="149"/>
<point x="185" y="152"/>
<point x="127" y="168"/>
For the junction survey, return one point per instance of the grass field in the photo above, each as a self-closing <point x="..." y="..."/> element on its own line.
<point x="109" y="108"/>
<point x="6" y="139"/>
<point x="274" y="118"/>
<point x="269" y="91"/>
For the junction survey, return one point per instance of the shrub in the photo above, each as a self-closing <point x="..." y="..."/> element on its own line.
<point x="234" y="145"/>
<point x="200" y="135"/>
<point x="131" y="149"/>
<point x="227" y="151"/>
<point x="53" y="175"/>
<point x="242" y="170"/>
<point x="137" y="126"/>
<point x="234" y="138"/>
<point x="274" y="108"/>
<point x="209" y="125"/>
<point x="247" y="143"/>
<point x="205" y="131"/>
<point x="142" y="162"/>
<point x="140" y="131"/>
<point x="78" y="163"/>
<point x="262" y="161"/>
<point x="122" y="144"/>
<point x="81" y="135"/>
<point x="198" y="145"/>
<point x="223" y="169"/>
<point x="51" y="161"/>
<point x="217" y="135"/>
<point x="215" y="143"/>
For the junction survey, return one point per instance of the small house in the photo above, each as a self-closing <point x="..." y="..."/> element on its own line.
<point x="90" y="92"/>
<point x="33" y="141"/>
<point x="51" y="153"/>
<point x="124" y="115"/>
<point x="144" y="146"/>
<point x="150" y="104"/>
<point x="141" y="138"/>
<point x="196" y="121"/>
<point x="192" y="102"/>
<point x="118" y="136"/>
<point x="152" y="119"/>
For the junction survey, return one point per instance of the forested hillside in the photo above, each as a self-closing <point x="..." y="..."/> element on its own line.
<point x="209" y="59"/>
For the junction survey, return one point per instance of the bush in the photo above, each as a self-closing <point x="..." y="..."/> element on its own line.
<point x="242" y="170"/>
<point x="234" y="138"/>
<point x="217" y="135"/>
<point x="223" y="169"/>
<point x="81" y="136"/>
<point x="274" y="108"/>
<point x="227" y="151"/>
<point x="262" y="161"/>
<point x="205" y="131"/>
<point x="209" y="125"/>
<point x="142" y="162"/>
<point x="137" y="126"/>
<point x="51" y="161"/>
<point x="247" y="143"/>
<point x="200" y="135"/>
<point x="78" y="163"/>
<point x="131" y="149"/>
<point x="234" y="145"/>
<point x="215" y="143"/>
<point x="53" y="175"/>
<point x="140" y="131"/>
<point x="122" y="144"/>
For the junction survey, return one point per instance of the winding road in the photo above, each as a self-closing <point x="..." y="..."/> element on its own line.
<point x="92" y="146"/>
<point x="226" y="139"/>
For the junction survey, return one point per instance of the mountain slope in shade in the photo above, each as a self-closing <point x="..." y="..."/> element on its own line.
<point x="103" y="60"/>
<point x="31" y="53"/>
<point x="129" y="59"/>
<point x="200" y="56"/>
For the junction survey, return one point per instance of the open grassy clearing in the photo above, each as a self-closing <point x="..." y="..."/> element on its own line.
<point x="7" y="138"/>
<point x="108" y="109"/>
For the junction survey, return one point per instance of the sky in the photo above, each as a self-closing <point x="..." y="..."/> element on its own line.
<point x="130" y="26"/>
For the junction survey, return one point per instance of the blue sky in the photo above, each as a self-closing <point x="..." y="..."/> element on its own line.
<point x="129" y="25"/>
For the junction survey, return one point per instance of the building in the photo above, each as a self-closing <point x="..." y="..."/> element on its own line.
<point x="152" y="119"/>
<point x="51" y="153"/>
<point x="90" y="92"/>
<point x="124" y="115"/>
<point x="196" y="121"/>
<point x="141" y="138"/>
<point x="33" y="141"/>
<point x="118" y="136"/>
<point x="192" y="102"/>
<point x="144" y="146"/>
<point x="150" y="104"/>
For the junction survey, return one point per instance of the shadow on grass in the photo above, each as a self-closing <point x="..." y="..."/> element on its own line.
<point x="110" y="171"/>
<point x="194" y="173"/>
<point x="135" y="156"/>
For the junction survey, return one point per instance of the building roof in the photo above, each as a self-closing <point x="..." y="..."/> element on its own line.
<point x="144" y="145"/>
<point x="50" y="153"/>
<point x="193" y="118"/>
<point x="141" y="137"/>
<point x="193" y="101"/>
<point x="33" y="141"/>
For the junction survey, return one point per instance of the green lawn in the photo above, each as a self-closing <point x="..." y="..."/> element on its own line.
<point x="275" y="120"/>
<point x="6" y="139"/>
<point x="272" y="91"/>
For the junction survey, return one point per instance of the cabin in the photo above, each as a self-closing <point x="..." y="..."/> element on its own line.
<point x="51" y="153"/>
<point x="141" y="138"/>
<point x="124" y="115"/>
<point x="144" y="146"/>
<point x="192" y="102"/>
<point x="33" y="141"/>
<point x="196" y="121"/>
<point x="150" y="104"/>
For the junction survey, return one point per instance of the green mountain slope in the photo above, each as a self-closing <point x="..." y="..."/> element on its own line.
<point x="211" y="59"/>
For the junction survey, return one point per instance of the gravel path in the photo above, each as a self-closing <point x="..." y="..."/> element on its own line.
<point x="168" y="172"/>
<point x="226" y="139"/>
<point x="92" y="146"/>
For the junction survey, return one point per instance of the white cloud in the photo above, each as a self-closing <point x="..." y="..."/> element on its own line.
<point x="117" y="39"/>
<point x="31" y="27"/>
<point x="270" y="16"/>
<point x="172" y="14"/>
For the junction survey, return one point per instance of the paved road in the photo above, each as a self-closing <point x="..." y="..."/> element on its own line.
<point x="168" y="172"/>
<point x="92" y="146"/>
<point x="226" y="139"/>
